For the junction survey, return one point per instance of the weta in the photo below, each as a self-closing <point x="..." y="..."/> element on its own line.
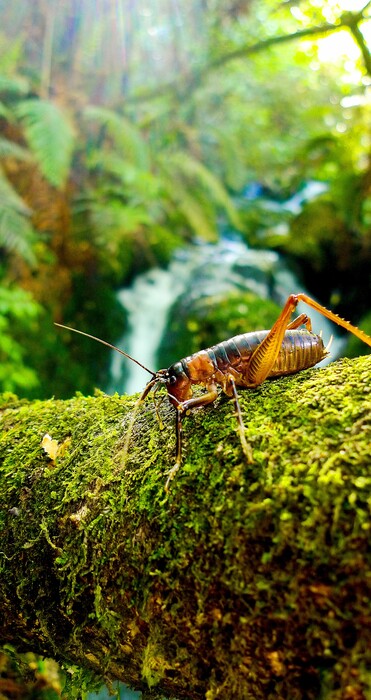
<point x="245" y="360"/>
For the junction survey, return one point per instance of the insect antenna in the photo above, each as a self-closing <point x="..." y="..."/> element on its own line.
<point x="150" y="384"/>
<point x="109" y="345"/>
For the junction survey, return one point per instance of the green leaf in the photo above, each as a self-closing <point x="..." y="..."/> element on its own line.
<point x="9" y="149"/>
<point x="50" y="137"/>
<point x="18" y="310"/>
<point x="125" y="135"/>
<point x="17" y="85"/>
<point x="10" y="199"/>
<point x="195" y="214"/>
<point x="193" y="172"/>
<point x="16" y="232"/>
<point x="5" y="112"/>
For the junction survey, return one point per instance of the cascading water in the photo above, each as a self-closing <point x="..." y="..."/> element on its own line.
<point x="200" y="270"/>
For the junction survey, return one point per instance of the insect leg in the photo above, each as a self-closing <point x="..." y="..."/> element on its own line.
<point x="302" y="320"/>
<point x="334" y="317"/>
<point x="265" y="355"/>
<point x="156" y="405"/>
<point x="181" y="409"/>
<point x="129" y="430"/>
<point x="241" y="427"/>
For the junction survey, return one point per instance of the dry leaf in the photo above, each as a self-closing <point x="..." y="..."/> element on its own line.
<point x="53" y="448"/>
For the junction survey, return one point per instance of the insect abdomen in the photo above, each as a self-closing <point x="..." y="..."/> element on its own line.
<point x="300" y="349"/>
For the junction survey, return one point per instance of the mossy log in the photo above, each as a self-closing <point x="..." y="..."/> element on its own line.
<point x="245" y="581"/>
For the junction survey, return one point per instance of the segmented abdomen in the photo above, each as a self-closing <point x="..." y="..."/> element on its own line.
<point x="300" y="349"/>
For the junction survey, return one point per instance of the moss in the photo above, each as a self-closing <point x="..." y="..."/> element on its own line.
<point x="244" y="581"/>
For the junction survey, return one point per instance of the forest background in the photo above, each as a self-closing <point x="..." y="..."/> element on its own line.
<point x="130" y="129"/>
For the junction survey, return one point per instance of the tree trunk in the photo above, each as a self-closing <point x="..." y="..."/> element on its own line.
<point x="244" y="581"/>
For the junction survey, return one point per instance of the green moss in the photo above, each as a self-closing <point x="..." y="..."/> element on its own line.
<point x="244" y="581"/>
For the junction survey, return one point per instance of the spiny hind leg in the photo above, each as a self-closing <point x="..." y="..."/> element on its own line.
<point x="232" y="391"/>
<point x="265" y="355"/>
<point x="333" y="317"/>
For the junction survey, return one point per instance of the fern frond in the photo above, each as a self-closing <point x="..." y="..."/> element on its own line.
<point x="16" y="232"/>
<point x="194" y="173"/>
<point x="17" y="85"/>
<point x="112" y="222"/>
<point x="10" y="199"/>
<point x="199" y="218"/>
<point x="10" y="149"/>
<point x="50" y="137"/>
<point x="5" y="112"/>
<point x="125" y="135"/>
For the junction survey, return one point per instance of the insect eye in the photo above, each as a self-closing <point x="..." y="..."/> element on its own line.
<point x="172" y="380"/>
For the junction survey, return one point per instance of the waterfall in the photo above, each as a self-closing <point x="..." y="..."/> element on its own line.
<point x="203" y="269"/>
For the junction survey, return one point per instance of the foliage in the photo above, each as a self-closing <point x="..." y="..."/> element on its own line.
<point x="50" y="137"/>
<point x="18" y="315"/>
<point x="109" y="166"/>
<point x="331" y="242"/>
<point x="17" y="235"/>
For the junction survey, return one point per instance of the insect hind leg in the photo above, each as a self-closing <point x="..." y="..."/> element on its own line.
<point x="302" y="320"/>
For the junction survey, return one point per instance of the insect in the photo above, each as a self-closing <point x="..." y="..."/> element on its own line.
<point x="245" y="360"/>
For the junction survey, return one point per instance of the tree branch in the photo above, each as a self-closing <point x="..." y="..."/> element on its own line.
<point x="246" y="580"/>
<point x="190" y="83"/>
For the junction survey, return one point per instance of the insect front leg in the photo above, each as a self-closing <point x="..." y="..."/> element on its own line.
<point x="181" y="409"/>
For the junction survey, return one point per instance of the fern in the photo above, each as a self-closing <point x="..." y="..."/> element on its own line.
<point x="9" y="149"/>
<point x="112" y="222"/>
<point x="16" y="85"/>
<point x="195" y="175"/>
<point x="5" y="113"/>
<point x="16" y="232"/>
<point x="50" y="137"/>
<point x="199" y="217"/>
<point x="124" y="134"/>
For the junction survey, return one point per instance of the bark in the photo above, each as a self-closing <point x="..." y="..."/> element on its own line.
<point x="244" y="581"/>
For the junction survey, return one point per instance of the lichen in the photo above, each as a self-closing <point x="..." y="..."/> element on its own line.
<point x="244" y="581"/>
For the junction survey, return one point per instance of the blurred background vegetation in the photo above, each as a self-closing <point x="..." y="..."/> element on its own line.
<point x="130" y="129"/>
